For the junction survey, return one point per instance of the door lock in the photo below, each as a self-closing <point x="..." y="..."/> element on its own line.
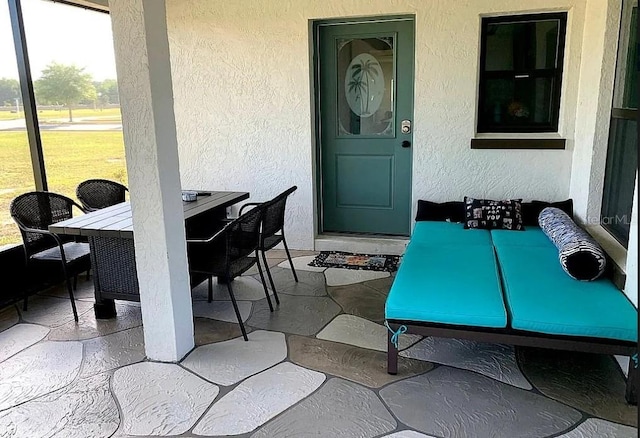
<point x="405" y="126"/>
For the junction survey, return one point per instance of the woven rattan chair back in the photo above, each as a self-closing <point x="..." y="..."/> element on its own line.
<point x="273" y="220"/>
<point x="95" y="194"/>
<point x="38" y="210"/>
<point x="243" y="235"/>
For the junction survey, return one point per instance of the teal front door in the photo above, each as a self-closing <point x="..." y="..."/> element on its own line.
<point x="365" y="115"/>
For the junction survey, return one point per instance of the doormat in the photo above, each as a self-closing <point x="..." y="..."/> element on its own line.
<point x="347" y="260"/>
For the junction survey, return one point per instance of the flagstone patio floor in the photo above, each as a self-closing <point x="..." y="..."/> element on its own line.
<point x="315" y="367"/>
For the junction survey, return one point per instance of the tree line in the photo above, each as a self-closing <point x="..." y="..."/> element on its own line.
<point x="65" y="85"/>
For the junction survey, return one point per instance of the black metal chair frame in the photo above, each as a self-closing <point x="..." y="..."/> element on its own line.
<point x="278" y="227"/>
<point x="83" y="191"/>
<point x="227" y="276"/>
<point x="59" y="242"/>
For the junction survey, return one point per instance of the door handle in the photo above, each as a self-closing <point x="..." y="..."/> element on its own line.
<point x="406" y="144"/>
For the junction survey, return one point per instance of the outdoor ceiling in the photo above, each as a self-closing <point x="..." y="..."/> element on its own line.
<point x="101" y="5"/>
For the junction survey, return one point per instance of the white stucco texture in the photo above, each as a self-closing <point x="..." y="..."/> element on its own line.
<point x="243" y="100"/>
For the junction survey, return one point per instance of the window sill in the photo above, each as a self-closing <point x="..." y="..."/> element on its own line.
<point x="518" y="141"/>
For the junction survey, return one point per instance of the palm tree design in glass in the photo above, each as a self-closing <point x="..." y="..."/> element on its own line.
<point x="361" y="73"/>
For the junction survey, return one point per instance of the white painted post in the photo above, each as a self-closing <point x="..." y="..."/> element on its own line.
<point x="146" y="98"/>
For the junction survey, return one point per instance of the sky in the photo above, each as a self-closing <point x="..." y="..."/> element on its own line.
<point x="61" y="33"/>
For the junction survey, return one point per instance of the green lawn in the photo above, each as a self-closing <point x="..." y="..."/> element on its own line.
<point x="46" y="115"/>
<point x="71" y="157"/>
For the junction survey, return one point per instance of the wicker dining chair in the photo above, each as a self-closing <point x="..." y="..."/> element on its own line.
<point x="95" y="194"/>
<point x="34" y="212"/>
<point x="272" y="232"/>
<point x="227" y="254"/>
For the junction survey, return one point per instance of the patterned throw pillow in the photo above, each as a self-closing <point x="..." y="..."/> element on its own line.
<point x="487" y="214"/>
<point x="580" y="255"/>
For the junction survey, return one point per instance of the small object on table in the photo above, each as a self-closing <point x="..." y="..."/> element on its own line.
<point x="189" y="196"/>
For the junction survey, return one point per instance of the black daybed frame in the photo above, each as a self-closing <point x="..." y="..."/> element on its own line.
<point x="520" y="338"/>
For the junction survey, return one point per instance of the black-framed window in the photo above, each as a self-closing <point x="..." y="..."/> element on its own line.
<point x="521" y="58"/>
<point x="622" y="152"/>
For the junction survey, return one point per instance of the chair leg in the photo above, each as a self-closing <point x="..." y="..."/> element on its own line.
<point x="273" y="286"/>
<point x="235" y="307"/>
<point x="264" y="283"/>
<point x="286" y="248"/>
<point x="70" y="290"/>
<point x="73" y="300"/>
<point x="210" y="295"/>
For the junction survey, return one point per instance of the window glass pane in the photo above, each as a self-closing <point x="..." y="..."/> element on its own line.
<point x="518" y="102"/>
<point x="622" y="154"/>
<point x="365" y="86"/>
<point x="16" y="174"/>
<point x="73" y="68"/>
<point x="522" y="46"/>
<point x="632" y="66"/>
<point x="620" y="177"/>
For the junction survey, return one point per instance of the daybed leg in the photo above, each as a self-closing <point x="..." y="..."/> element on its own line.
<point x="392" y="355"/>
<point x="631" y="394"/>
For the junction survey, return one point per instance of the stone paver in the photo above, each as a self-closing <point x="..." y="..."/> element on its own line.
<point x="597" y="428"/>
<point x="382" y="285"/>
<point x="360" y="300"/>
<point x="221" y="310"/>
<point x="38" y="370"/>
<point x="19" y="337"/>
<point x="590" y="382"/>
<point x="295" y="315"/>
<point x="339" y="409"/>
<point x="244" y="289"/>
<point x="302" y="264"/>
<point x="407" y="434"/>
<point x="310" y="284"/>
<point x="83" y="409"/>
<point x="113" y="351"/>
<point x="359" y="365"/>
<point x="260" y="398"/>
<point x="208" y="331"/>
<point x="492" y="360"/>
<point x="452" y="402"/>
<point x="229" y="362"/>
<point x="8" y="317"/>
<point x="52" y="312"/>
<point x="342" y="277"/>
<point x="160" y="399"/>
<point x="353" y="330"/>
<point x="88" y="327"/>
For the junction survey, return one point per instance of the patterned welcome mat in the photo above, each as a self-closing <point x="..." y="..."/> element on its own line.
<point x="337" y="259"/>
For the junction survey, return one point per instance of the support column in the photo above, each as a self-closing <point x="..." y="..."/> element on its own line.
<point x="146" y="98"/>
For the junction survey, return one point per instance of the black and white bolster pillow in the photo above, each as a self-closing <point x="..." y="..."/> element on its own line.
<point x="580" y="255"/>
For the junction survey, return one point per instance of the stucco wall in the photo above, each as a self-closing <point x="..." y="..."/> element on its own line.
<point x="244" y="110"/>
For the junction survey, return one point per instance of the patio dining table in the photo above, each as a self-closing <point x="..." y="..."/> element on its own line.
<point x="110" y="235"/>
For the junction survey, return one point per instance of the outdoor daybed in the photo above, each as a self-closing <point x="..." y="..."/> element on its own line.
<point x="508" y="287"/>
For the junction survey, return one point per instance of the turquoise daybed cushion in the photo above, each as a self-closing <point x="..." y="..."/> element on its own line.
<point x="452" y="284"/>
<point x="542" y="298"/>
<point x="448" y="233"/>
<point x="531" y="236"/>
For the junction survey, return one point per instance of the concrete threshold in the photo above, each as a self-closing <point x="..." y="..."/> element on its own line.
<point x="362" y="244"/>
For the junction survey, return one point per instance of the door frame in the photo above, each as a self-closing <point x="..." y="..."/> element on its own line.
<point x="314" y="28"/>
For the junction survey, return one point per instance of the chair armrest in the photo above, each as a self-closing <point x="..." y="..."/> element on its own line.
<point x="209" y="239"/>
<point x="248" y="204"/>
